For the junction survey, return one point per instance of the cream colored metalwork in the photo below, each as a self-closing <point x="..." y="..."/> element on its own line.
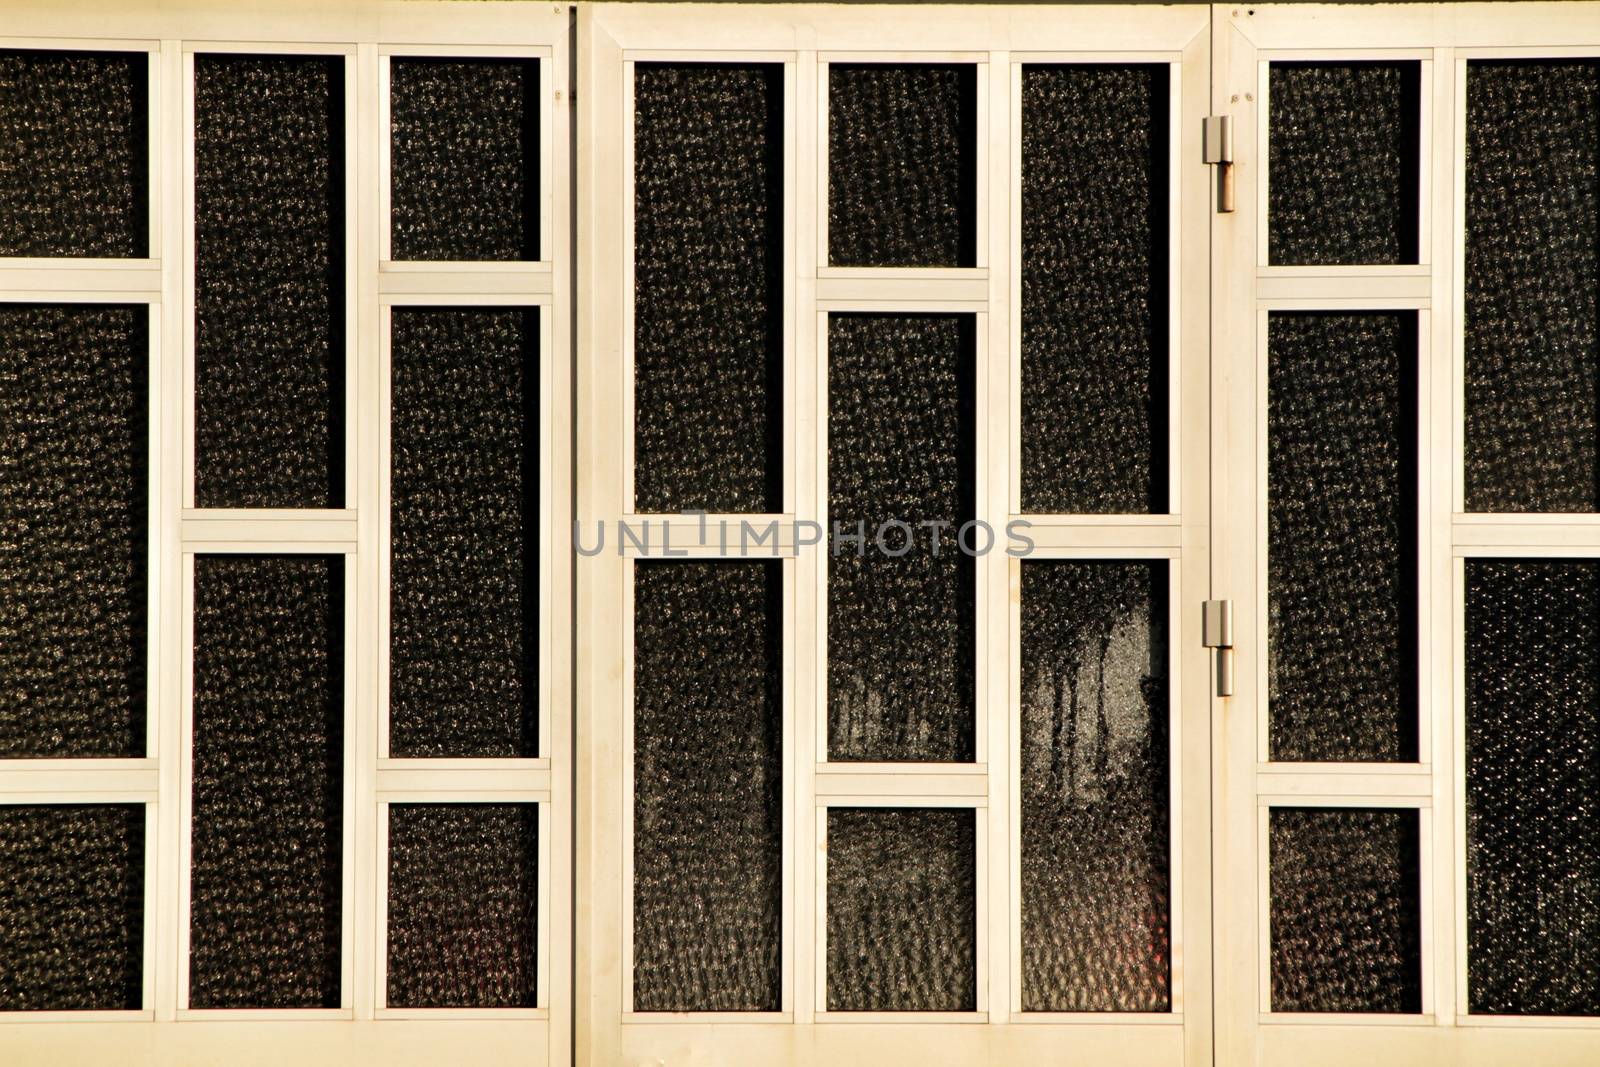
<point x="1441" y="37"/>
<point x="805" y="39"/>
<point x="366" y="33"/>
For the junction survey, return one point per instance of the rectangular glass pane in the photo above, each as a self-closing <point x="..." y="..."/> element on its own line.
<point x="1346" y="910"/>
<point x="1343" y="142"/>
<point x="1094" y="289"/>
<point x="1342" y="536"/>
<point x="1096" y="883"/>
<point x="1532" y="275"/>
<point x="901" y="615"/>
<point x="74" y="520"/>
<point x="464" y="159"/>
<point x="902" y="165"/>
<point x="1533" y="779"/>
<point x="707" y="786"/>
<point x="902" y="909"/>
<point x="268" y="782"/>
<point x="464" y="532"/>
<point x="708" y="287"/>
<point x="463" y="905"/>
<point x="74" y="154"/>
<point x="71" y="907"/>
<point x="269" y="285"/>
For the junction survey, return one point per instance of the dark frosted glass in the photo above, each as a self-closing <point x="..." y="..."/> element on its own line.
<point x="708" y="786"/>
<point x="464" y="159"/>
<point x="1346" y="910"/>
<point x="74" y="514"/>
<point x="268" y="823"/>
<point x="902" y="909"/>
<point x="1533" y="786"/>
<point x="1532" y="274"/>
<point x="708" y="287"/>
<point x="1096" y="883"/>
<point x="74" y="154"/>
<point x="463" y="905"/>
<point x="1342" y="533"/>
<point x="464" y="532"/>
<point x="1094" y="289"/>
<point x="902" y="165"/>
<point x="901" y="629"/>
<point x="71" y="907"/>
<point x="269" y="281"/>
<point x="1343" y="147"/>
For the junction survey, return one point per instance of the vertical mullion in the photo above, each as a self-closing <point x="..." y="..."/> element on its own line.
<point x="806" y="421"/>
<point x="1440" y="463"/>
<point x="368" y="218"/>
<point x="996" y="849"/>
<point x="167" y="482"/>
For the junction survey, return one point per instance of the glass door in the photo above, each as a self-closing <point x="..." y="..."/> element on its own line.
<point x="1405" y="367"/>
<point x="896" y="424"/>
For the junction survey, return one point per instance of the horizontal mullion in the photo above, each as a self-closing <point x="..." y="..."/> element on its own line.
<point x="41" y="781"/>
<point x="267" y="525"/>
<point x="902" y="1017"/>
<point x="422" y="779"/>
<point x="1381" y="290"/>
<point x="1060" y="532"/>
<point x="80" y="280"/>
<point x="1526" y="531"/>
<point x="403" y="279"/>
<point x="483" y="1014"/>
<point x="886" y="305"/>
<point x="913" y="784"/>
<point x="1406" y="782"/>
<point x="898" y="286"/>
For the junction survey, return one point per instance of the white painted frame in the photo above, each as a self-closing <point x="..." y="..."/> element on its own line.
<point x="363" y="31"/>
<point x="1441" y="37"/>
<point x="806" y="39"/>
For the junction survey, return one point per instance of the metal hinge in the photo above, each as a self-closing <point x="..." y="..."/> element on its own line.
<point x="1216" y="631"/>
<point x="1219" y="152"/>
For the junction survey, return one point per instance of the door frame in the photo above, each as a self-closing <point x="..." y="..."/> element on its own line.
<point x="1442" y="37"/>
<point x="610" y="37"/>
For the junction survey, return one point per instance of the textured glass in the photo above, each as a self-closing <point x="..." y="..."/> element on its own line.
<point x="74" y="154"/>
<point x="269" y="281"/>
<point x="1346" y="910"/>
<point x="268" y="788"/>
<point x="902" y="165"/>
<point x="707" y="786"/>
<point x="464" y="532"/>
<point x="901" y="628"/>
<point x="464" y="159"/>
<point x="1094" y="289"/>
<point x="708" y="287"/>
<point x="1342" y="536"/>
<point x="74" y="503"/>
<point x="1532" y="274"/>
<point x="1343" y="142"/>
<point x="71" y="907"/>
<point x="1533" y="786"/>
<point x="1096" y="887"/>
<point x="902" y="909"/>
<point x="463" y="905"/>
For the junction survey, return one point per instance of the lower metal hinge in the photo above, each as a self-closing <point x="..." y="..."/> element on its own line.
<point x="1216" y="631"/>
<point x="1219" y="153"/>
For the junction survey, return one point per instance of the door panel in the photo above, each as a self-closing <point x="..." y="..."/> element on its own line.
<point x="990" y="839"/>
<point x="1404" y="526"/>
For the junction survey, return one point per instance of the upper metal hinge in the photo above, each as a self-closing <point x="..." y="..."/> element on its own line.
<point x="1216" y="631"/>
<point x="1219" y="152"/>
<point x="1216" y="624"/>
